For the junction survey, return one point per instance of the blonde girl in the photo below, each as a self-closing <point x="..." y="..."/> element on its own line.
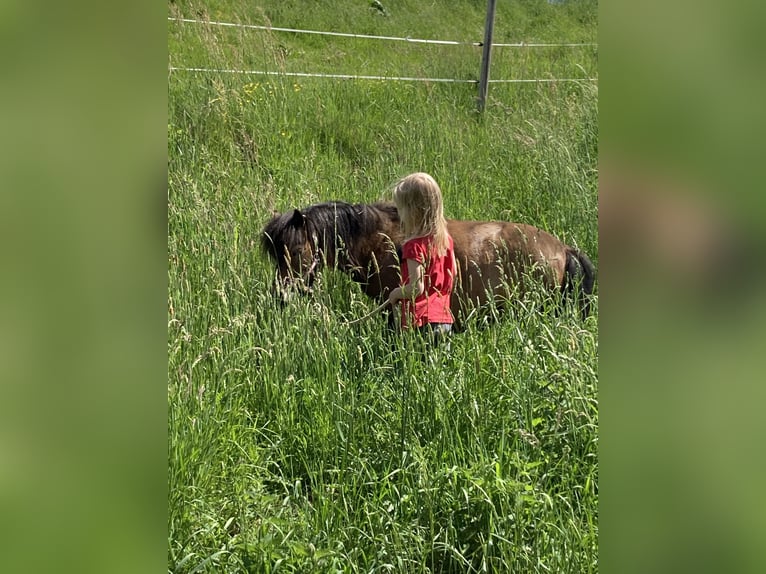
<point x="428" y="257"/>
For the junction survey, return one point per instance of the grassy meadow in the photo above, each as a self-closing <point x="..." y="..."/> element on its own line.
<point x="297" y="443"/>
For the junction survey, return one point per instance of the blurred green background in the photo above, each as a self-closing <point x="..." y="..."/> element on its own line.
<point x="682" y="314"/>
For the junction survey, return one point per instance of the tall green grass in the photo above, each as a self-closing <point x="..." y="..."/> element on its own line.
<point x="298" y="443"/>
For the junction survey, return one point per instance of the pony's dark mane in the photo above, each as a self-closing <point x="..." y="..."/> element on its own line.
<point x="338" y="224"/>
<point x="335" y="224"/>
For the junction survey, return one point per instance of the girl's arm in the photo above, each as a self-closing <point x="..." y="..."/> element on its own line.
<point x="415" y="287"/>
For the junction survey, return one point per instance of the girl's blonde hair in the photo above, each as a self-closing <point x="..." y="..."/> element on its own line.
<point x="418" y="199"/>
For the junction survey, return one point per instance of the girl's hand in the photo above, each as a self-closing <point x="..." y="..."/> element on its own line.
<point x="395" y="296"/>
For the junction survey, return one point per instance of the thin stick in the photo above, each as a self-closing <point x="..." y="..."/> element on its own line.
<point x="368" y="315"/>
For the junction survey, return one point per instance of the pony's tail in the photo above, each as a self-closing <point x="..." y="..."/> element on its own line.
<point x="580" y="272"/>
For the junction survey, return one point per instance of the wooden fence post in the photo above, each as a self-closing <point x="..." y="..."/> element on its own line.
<point x="486" y="55"/>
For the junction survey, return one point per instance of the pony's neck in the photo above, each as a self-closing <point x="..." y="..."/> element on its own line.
<point x="377" y="244"/>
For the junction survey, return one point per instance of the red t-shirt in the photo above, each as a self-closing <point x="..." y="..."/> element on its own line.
<point x="433" y="305"/>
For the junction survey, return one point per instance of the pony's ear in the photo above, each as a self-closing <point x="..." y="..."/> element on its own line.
<point x="298" y="218"/>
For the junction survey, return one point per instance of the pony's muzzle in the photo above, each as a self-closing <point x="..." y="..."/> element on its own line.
<point x="285" y="290"/>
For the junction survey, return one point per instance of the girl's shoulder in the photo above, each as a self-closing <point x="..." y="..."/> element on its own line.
<point x="419" y="240"/>
<point x="417" y="245"/>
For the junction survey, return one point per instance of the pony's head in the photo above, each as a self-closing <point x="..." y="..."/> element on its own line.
<point x="351" y="237"/>
<point x="291" y="241"/>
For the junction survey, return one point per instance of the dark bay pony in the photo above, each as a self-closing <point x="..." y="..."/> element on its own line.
<point x="363" y="239"/>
